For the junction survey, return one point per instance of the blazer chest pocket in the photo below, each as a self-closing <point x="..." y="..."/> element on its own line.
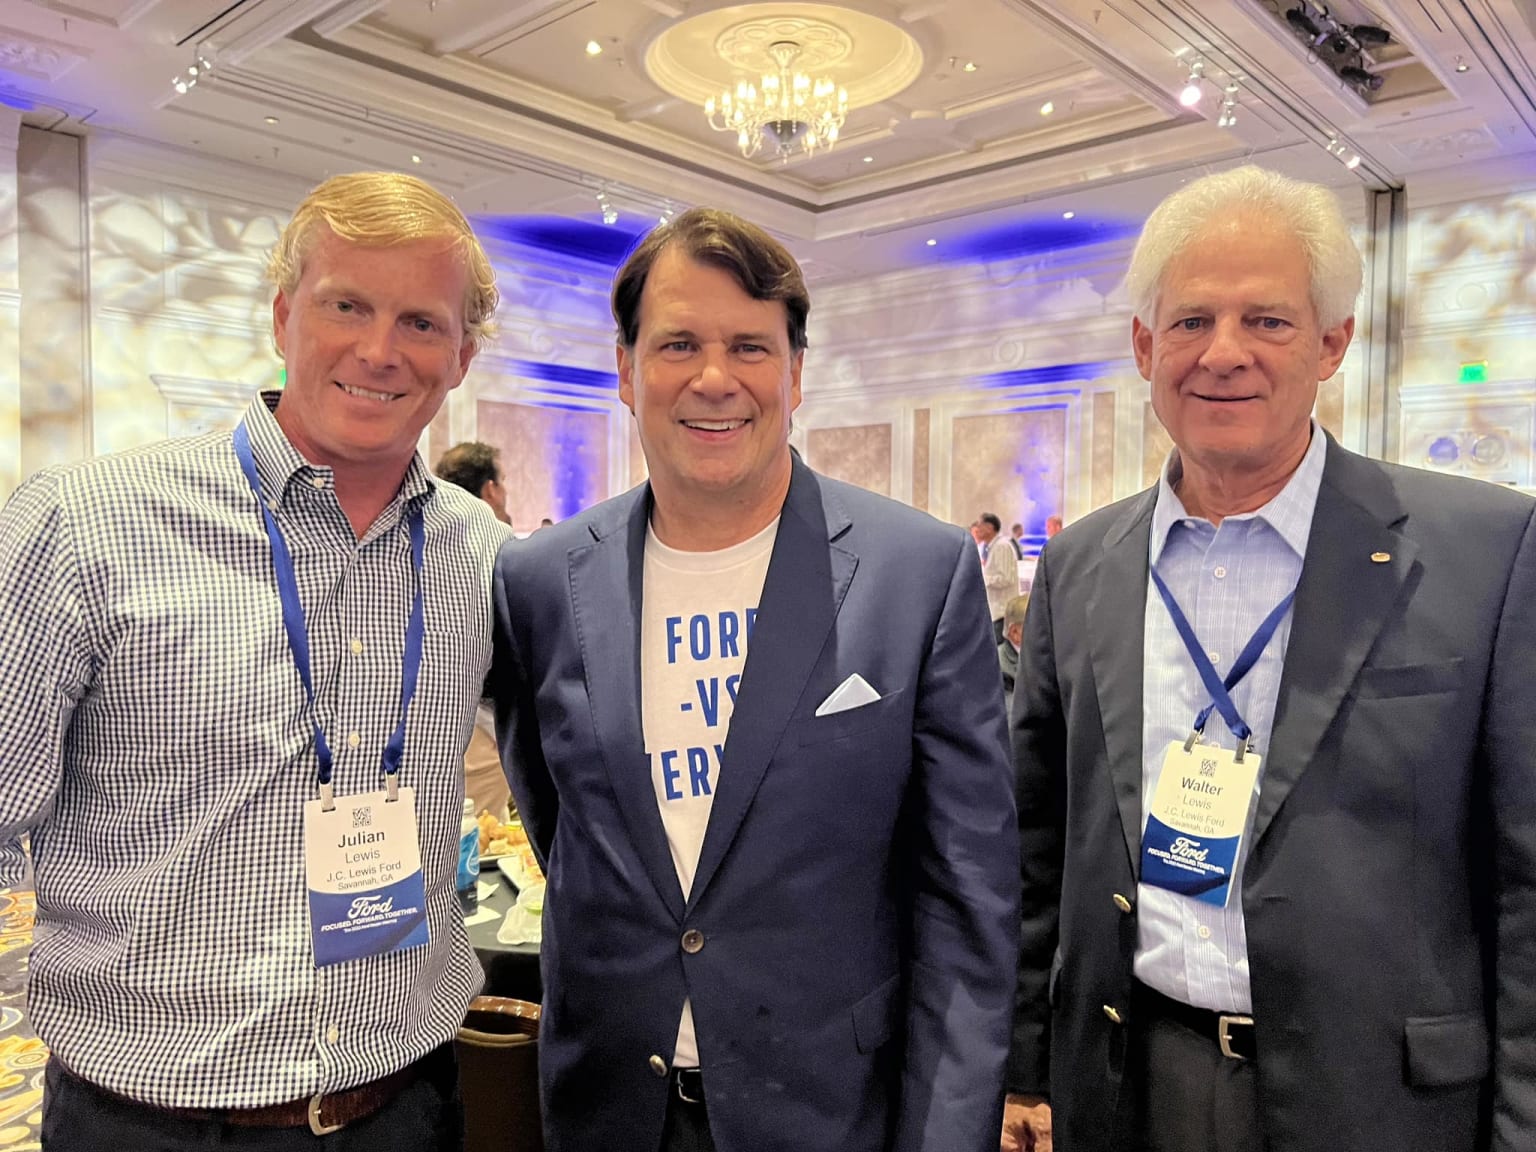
<point x="1444" y="1051"/>
<point x="1377" y="683"/>
<point x="851" y="721"/>
<point x="874" y="1016"/>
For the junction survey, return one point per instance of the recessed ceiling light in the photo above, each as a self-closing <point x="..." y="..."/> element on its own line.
<point x="1047" y="108"/>
<point x="415" y="159"/>
<point x="869" y="159"/>
<point x="271" y="119"/>
<point x="1068" y="215"/>
<point x="970" y="66"/>
<point x="931" y="242"/>
<point x="594" y="48"/>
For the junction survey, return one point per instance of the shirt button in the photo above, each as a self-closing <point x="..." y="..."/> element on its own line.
<point x="1220" y="573"/>
<point x="332" y="1034"/>
<point x="693" y="941"/>
<point x="658" y="1065"/>
<point x="1215" y="657"/>
<point x="317" y="481"/>
<point x="357" y="647"/>
<point x="1113" y="1015"/>
<point x="1203" y="932"/>
<point x="353" y="739"/>
<point x="272" y="505"/>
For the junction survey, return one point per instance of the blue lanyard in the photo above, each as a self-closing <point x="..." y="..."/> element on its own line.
<point x="1221" y="690"/>
<point x="298" y="636"/>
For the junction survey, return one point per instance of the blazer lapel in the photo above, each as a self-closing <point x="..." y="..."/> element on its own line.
<point x="807" y="579"/>
<point x="1116" y="627"/>
<point x="1342" y="602"/>
<point x="607" y="581"/>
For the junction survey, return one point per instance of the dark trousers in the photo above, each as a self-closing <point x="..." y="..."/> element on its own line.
<point x="1182" y="1095"/>
<point x="427" y="1116"/>
<point x="687" y="1126"/>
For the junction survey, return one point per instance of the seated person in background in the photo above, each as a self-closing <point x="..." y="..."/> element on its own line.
<point x="1008" y="647"/>
<point x="229" y="660"/>
<point x="476" y="468"/>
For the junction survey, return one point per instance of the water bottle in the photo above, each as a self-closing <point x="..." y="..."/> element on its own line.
<point x="469" y="856"/>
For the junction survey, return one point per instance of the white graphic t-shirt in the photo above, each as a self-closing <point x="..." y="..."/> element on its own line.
<point x="699" y="612"/>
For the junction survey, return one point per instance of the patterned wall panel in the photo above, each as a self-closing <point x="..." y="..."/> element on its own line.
<point x="921" y="423"/>
<point x="860" y="455"/>
<point x="1102" y="456"/>
<point x="637" y="468"/>
<point x="1155" y="445"/>
<point x="1329" y="409"/>
<point x="555" y="459"/>
<point x="1010" y="463"/>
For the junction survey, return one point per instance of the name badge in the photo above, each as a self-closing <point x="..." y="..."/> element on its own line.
<point x="1198" y="820"/>
<point x="363" y="864"/>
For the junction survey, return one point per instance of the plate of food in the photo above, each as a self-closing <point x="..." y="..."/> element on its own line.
<point x="498" y="839"/>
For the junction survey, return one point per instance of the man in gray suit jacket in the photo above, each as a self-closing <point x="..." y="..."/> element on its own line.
<point x="779" y="832"/>
<point x="1310" y="927"/>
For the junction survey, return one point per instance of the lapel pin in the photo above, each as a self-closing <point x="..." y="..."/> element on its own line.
<point x="1380" y="557"/>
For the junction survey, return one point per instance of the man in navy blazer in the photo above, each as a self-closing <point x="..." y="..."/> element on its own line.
<point x="1367" y="978"/>
<point x="754" y="724"/>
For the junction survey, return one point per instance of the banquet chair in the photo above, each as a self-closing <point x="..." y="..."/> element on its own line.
<point x="498" y="1051"/>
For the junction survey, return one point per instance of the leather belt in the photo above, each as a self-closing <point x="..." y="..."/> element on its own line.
<point x="1233" y="1033"/>
<point x="689" y="1085"/>
<point x="323" y="1113"/>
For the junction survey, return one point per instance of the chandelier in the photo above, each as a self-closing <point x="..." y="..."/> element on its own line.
<point x="794" y="110"/>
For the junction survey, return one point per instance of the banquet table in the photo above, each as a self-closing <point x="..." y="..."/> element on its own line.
<point x="510" y="969"/>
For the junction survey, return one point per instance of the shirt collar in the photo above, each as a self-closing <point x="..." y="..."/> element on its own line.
<point x="278" y="461"/>
<point x="1289" y="513"/>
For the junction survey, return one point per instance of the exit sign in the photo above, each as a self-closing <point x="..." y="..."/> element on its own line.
<point x="1474" y="372"/>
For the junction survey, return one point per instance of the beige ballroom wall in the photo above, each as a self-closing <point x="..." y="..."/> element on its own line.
<point x="1005" y="386"/>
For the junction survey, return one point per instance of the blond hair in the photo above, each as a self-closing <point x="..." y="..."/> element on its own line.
<point x="380" y="209"/>
<point x="1013" y="611"/>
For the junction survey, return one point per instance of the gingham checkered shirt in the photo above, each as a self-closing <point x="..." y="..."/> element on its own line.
<point x="156" y="739"/>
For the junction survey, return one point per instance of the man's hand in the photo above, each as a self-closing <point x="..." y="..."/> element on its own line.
<point x="1026" y="1124"/>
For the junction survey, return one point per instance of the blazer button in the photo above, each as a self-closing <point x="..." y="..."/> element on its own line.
<point x="693" y="941"/>
<point x="658" y="1065"/>
<point x="1122" y="903"/>
<point x="1113" y="1015"/>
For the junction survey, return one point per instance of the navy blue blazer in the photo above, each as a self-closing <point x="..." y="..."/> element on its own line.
<point x="1390" y="890"/>
<point x="857" y="891"/>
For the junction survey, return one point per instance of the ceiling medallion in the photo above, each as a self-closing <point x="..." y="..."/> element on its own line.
<point x="782" y="78"/>
<point x="797" y="112"/>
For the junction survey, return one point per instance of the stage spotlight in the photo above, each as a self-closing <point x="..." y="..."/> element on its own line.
<point x="1370" y="34"/>
<point x="1190" y="95"/>
<point x="1300" y="20"/>
<point x="1361" y="78"/>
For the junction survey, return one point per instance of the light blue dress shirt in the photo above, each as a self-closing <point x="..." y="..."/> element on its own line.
<point x="1226" y="578"/>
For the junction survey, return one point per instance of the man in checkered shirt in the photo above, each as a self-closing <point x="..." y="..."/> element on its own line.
<point x="160" y="744"/>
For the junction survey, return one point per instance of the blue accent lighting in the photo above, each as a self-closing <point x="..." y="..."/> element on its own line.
<point x="1033" y="236"/>
<point x="565" y="374"/>
<point x="1050" y="374"/>
<point x="605" y="244"/>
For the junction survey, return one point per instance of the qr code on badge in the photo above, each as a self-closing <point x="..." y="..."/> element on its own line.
<point x="362" y="817"/>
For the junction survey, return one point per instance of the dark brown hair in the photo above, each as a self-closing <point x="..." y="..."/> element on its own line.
<point x="470" y="465"/>
<point x="759" y="263"/>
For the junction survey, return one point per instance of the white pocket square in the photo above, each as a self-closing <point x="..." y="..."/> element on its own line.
<point x="853" y="692"/>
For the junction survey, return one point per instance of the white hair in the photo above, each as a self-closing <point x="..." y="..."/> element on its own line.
<point x="1311" y="212"/>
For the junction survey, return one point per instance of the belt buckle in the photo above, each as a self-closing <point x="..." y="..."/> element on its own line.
<point x="1224" y="1034"/>
<point x="683" y="1096"/>
<point x="320" y="1129"/>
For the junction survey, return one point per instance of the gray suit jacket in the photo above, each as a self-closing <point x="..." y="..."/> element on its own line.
<point x="1390" y="891"/>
